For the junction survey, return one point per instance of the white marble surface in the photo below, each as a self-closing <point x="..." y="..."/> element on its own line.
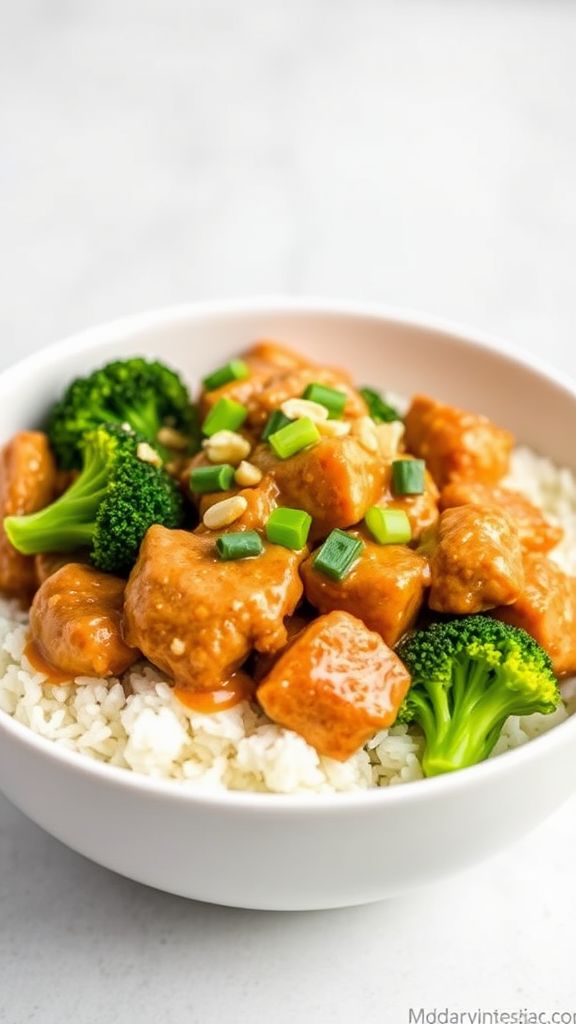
<point x="420" y="153"/>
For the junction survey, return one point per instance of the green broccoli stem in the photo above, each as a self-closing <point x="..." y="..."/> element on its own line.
<point x="69" y="522"/>
<point x="470" y="732"/>
<point x="465" y="730"/>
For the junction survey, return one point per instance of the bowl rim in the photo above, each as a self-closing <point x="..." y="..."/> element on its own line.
<point x="185" y="792"/>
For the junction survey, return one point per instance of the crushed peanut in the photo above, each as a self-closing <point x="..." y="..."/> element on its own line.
<point x="146" y="453"/>
<point x="177" y="647"/>
<point x="171" y="438"/>
<point x="297" y="408"/>
<point x="364" y="429"/>
<point x="226" y="446"/>
<point x="389" y="437"/>
<point x="224" y="512"/>
<point x="247" y="475"/>
<point x="334" y="428"/>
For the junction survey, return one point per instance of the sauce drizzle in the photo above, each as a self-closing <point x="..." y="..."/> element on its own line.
<point x="236" y="689"/>
<point x="39" y="664"/>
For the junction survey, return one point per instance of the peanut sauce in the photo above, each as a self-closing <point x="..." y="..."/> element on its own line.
<point x="40" y="664"/>
<point x="236" y="689"/>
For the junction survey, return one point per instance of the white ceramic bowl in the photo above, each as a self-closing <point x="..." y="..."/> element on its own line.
<point x="290" y="852"/>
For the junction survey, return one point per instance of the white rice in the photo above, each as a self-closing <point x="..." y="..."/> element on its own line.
<point x="136" y="723"/>
<point x="554" y="491"/>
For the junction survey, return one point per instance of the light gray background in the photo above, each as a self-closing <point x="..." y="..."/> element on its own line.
<point x="420" y="153"/>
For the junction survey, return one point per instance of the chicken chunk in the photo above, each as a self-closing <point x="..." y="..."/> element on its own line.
<point x="246" y="391"/>
<point x="546" y="609"/>
<point x="271" y="355"/>
<point x="456" y="444"/>
<point x="535" y="531"/>
<point x="385" y="588"/>
<point x="475" y="560"/>
<point x="276" y="374"/>
<point x="76" y="622"/>
<point x="262" y="500"/>
<point x="27" y="484"/>
<point x="293" y="383"/>
<point x="336" y="481"/>
<point x="47" y="565"/>
<point x="336" y="685"/>
<point x="262" y="663"/>
<point x="421" y="509"/>
<point x="196" y="617"/>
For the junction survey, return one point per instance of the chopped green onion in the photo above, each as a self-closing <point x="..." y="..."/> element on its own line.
<point x="291" y="439"/>
<point x="289" y="527"/>
<point x="388" y="525"/>
<point x="225" y="415"/>
<point x="337" y="554"/>
<point x="234" y="370"/>
<point x="379" y="410"/>
<point x="247" y="544"/>
<point x="276" y="421"/>
<point x="330" y="398"/>
<point x="205" y="479"/>
<point x="408" y="476"/>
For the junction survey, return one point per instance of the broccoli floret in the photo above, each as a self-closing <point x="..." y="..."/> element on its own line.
<point x="468" y="676"/>
<point x="109" y="507"/>
<point x="146" y="395"/>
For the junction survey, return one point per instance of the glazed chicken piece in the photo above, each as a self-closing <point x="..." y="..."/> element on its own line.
<point x="263" y="663"/>
<point x="27" y="484"/>
<point x="385" y="588"/>
<point x="456" y="444"/>
<point x="292" y="384"/>
<point x="546" y="609"/>
<point x="421" y="509"/>
<point x="196" y="617"/>
<point x="76" y="622"/>
<point x="271" y="355"/>
<point x="336" y="481"/>
<point x="265" y="360"/>
<point x="262" y="500"/>
<point x="475" y="560"/>
<point x="534" y="530"/>
<point x="277" y="374"/>
<point x="47" y="565"/>
<point x="336" y="685"/>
